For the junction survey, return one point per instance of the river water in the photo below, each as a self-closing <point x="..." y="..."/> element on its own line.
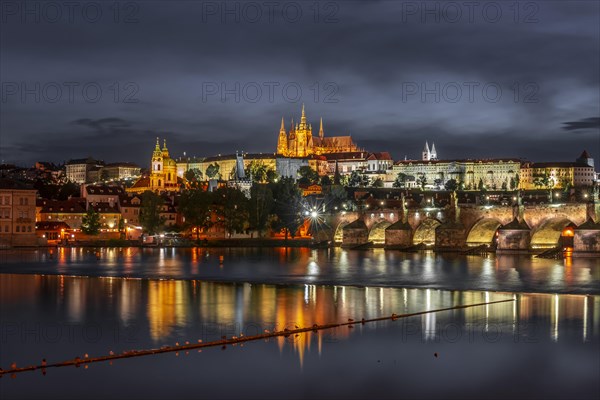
<point x="543" y="344"/>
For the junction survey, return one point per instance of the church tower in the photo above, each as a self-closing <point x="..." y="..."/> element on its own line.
<point x="426" y="152"/>
<point x="433" y="155"/>
<point x="282" y="142"/>
<point x="156" y="172"/>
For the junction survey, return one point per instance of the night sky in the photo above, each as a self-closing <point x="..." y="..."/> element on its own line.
<point x="480" y="80"/>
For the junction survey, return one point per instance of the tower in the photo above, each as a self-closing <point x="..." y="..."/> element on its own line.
<point x="282" y="142"/>
<point x="321" y="132"/>
<point x="426" y="152"/>
<point x="156" y="171"/>
<point x="433" y="153"/>
<point x="585" y="158"/>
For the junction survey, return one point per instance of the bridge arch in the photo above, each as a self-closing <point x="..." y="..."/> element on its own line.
<point x="548" y="233"/>
<point x="425" y="232"/>
<point x="338" y="236"/>
<point x="483" y="232"/>
<point x="377" y="232"/>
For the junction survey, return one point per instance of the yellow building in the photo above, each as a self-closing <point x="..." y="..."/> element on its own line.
<point x="17" y="214"/>
<point x="163" y="173"/>
<point x="299" y="141"/>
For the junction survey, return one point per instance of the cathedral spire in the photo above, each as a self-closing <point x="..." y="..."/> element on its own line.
<point x="426" y="152"/>
<point x="282" y="125"/>
<point x="303" y="118"/>
<point x="433" y="152"/>
<point x="321" y="133"/>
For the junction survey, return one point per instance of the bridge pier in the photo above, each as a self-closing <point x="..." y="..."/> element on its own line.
<point x="398" y="235"/>
<point x="355" y="234"/>
<point x="450" y="236"/>
<point x="514" y="237"/>
<point x="586" y="240"/>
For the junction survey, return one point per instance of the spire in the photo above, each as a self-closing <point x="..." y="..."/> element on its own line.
<point x="321" y="133"/>
<point x="165" y="151"/>
<point x="433" y="152"/>
<point x="282" y="125"/>
<point x="157" y="150"/>
<point x="426" y="152"/>
<point x="303" y="118"/>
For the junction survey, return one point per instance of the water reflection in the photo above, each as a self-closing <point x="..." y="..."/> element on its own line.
<point x="98" y="315"/>
<point x="169" y="307"/>
<point x="325" y="266"/>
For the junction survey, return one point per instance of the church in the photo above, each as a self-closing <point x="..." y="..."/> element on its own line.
<point x="163" y="173"/>
<point x="300" y="142"/>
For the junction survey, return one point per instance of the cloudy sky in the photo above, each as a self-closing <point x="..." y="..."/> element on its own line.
<point x="480" y="79"/>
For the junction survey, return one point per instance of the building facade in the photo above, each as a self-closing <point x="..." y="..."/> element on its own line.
<point x="300" y="142"/>
<point x="494" y="174"/>
<point x="17" y="214"/>
<point x="559" y="175"/>
<point x="85" y="170"/>
<point x="163" y="173"/>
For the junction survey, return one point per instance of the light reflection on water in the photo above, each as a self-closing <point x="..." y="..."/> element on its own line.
<point x="324" y="266"/>
<point x="139" y="313"/>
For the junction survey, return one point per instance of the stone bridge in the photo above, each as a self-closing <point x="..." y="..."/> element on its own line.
<point x="508" y="228"/>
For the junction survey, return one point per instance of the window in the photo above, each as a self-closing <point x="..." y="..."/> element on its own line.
<point x="18" y="228"/>
<point x="29" y="228"/>
<point x="5" y="228"/>
<point x="26" y="201"/>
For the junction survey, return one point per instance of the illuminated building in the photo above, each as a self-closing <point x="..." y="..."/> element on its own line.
<point x="558" y="175"/>
<point x="300" y="142"/>
<point x="163" y="173"/>
<point x="83" y="170"/>
<point x="17" y="214"/>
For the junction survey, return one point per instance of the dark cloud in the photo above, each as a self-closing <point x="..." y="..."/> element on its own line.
<point x="586" y="123"/>
<point x="388" y="77"/>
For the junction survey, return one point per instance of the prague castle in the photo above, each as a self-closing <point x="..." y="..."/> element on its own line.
<point x="300" y="142"/>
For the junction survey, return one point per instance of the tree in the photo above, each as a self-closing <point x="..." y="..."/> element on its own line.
<point x="308" y="176"/>
<point x="150" y="210"/>
<point x="212" y="171"/>
<point x="337" y="178"/>
<point x="358" y="179"/>
<point x="400" y="181"/>
<point x="195" y="205"/>
<point x="193" y="176"/>
<point x="231" y="208"/>
<point x="90" y="223"/>
<point x="287" y="209"/>
<point x="422" y="180"/>
<point x="377" y="183"/>
<point x="336" y="196"/>
<point x="481" y="185"/>
<point x="504" y="185"/>
<point x="121" y="228"/>
<point x="261" y="206"/>
<point x="272" y="175"/>
<point x="258" y="171"/>
<point x="512" y="183"/>
<point x="325" y="180"/>
<point x="451" y="185"/>
<point x="69" y="189"/>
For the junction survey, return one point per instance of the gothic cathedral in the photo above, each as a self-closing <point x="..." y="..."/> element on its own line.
<point x="299" y="141"/>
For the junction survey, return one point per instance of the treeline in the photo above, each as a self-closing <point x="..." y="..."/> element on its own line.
<point x="276" y="206"/>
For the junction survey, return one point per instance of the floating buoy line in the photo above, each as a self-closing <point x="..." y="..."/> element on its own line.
<point x="86" y="360"/>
